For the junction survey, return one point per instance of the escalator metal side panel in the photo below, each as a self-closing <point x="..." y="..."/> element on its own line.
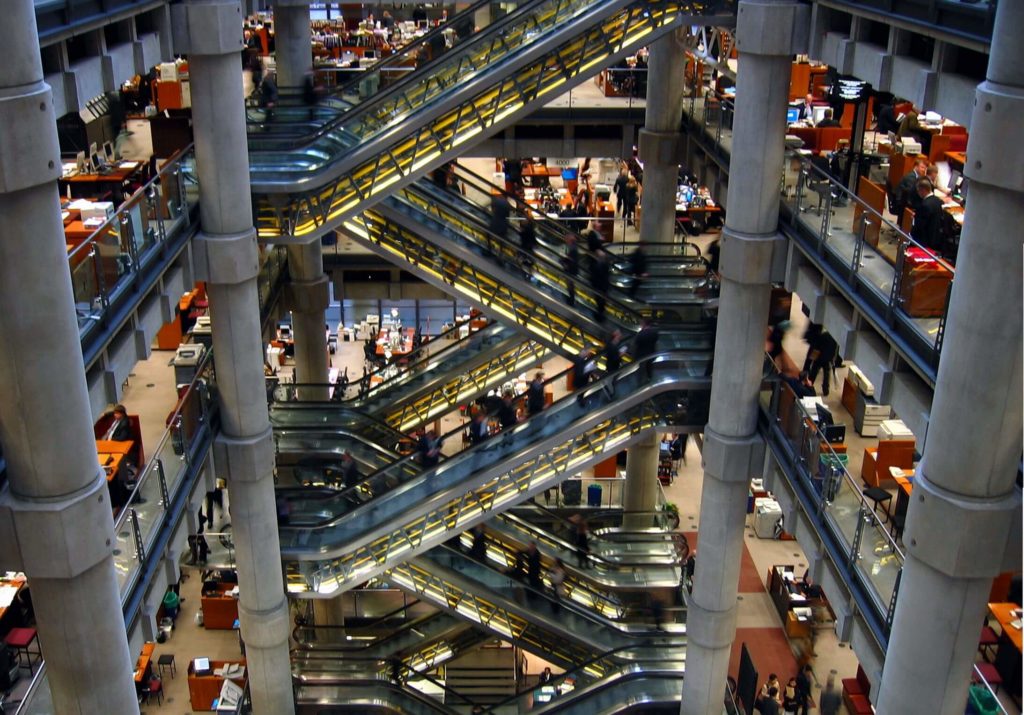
<point x="393" y="166"/>
<point x="426" y="522"/>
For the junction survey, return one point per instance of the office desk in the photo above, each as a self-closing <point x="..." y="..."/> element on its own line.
<point x="204" y="689"/>
<point x="1008" y="652"/>
<point x="904" y="486"/>
<point x="144" y="665"/>
<point x="957" y="157"/>
<point x="219" y="610"/>
<point x="93" y="185"/>
<point x="112" y="455"/>
<point x="925" y="284"/>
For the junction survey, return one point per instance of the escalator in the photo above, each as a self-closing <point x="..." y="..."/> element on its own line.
<point x="612" y="577"/>
<point x="509" y="609"/>
<point x="458" y="270"/>
<point x="574" y="433"/>
<point x="471" y="92"/>
<point x="679" y="276"/>
<point x="429" y="388"/>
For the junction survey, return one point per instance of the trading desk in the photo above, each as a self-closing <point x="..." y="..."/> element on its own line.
<point x="1008" y="652"/>
<point x="84" y="186"/>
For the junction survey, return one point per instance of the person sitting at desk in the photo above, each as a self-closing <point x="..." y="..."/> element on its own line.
<point x="910" y="126"/>
<point x="807" y="108"/>
<point x="827" y="120"/>
<point x="120" y="429"/>
<point x="932" y="174"/>
<point x="927" y="217"/>
<point x="886" y="120"/>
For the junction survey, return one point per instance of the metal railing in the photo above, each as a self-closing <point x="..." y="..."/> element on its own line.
<point x="868" y="255"/>
<point x="150" y="508"/>
<point x="107" y="266"/>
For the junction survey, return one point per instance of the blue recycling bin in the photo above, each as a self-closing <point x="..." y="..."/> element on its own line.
<point x="594" y="495"/>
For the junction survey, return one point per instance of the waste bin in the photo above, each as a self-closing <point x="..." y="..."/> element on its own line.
<point x="981" y="702"/>
<point x="571" y="492"/>
<point x="594" y="495"/>
<point x="186" y="359"/>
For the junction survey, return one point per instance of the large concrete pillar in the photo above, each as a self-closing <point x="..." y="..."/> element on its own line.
<point x="641" y="488"/>
<point x="56" y="508"/>
<point x="766" y="34"/>
<point x="309" y="298"/>
<point x="965" y="507"/>
<point x="209" y="31"/>
<point x="293" y="44"/>
<point x="659" y="138"/>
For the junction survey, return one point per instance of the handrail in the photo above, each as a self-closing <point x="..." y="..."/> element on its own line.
<point x="351" y="494"/>
<point x="376" y="622"/>
<point x="169" y="167"/>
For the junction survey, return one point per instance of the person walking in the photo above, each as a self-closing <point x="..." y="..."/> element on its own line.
<point x="803" y="689"/>
<point x="599" y="281"/>
<point x="612" y="353"/>
<point x="831" y="699"/>
<point x="637" y="268"/>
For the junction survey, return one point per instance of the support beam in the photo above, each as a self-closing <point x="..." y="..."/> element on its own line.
<point x="309" y="299"/>
<point x="641" y="488"/>
<point x="293" y="44"/>
<point x="659" y="139"/>
<point x="965" y="507"/>
<point x="56" y="497"/>
<point x="210" y="32"/>
<point x="767" y="32"/>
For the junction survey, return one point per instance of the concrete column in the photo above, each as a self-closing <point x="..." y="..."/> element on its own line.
<point x="228" y="260"/>
<point x="56" y="511"/>
<point x="660" y="138"/>
<point x="965" y="507"/>
<point x="766" y="31"/>
<point x="293" y="45"/>
<point x="309" y="299"/>
<point x="641" y="488"/>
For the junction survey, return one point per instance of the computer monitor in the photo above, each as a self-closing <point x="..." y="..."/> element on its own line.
<point x="818" y="113"/>
<point x="370" y="55"/>
<point x="824" y="416"/>
<point x="108" y="152"/>
<point x="423" y="24"/>
<point x="792" y="115"/>
<point x="80" y="162"/>
<point x="955" y="179"/>
<point x="96" y="160"/>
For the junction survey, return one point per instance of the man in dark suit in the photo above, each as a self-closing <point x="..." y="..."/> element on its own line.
<point x="120" y="429"/>
<point x="535" y="394"/>
<point x="827" y="120"/>
<point x="906" y="191"/>
<point x="807" y="108"/>
<point x="927" y="229"/>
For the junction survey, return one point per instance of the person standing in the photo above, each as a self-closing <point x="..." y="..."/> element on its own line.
<point x="612" y="353"/>
<point x="619" y="189"/>
<point x="571" y="264"/>
<point x="507" y="416"/>
<point x="430" y="449"/>
<point x="631" y="200"/>
<point x="478" y="551"/>
<point x="582" y="544"/>
<point x="500" y="210"/>
<point x="478" y="431"/>
<point x="599" y="277"/>
<point x="535" y="395"/>
<point x="349" y="470"/>
<point x="803" y="689"/>
<point x="638" y="269"/>
<point x="557" y="576"/>
<point x="533" y="577"/>
<point x="646" y="343"/>
<point x="821" y="355"/>
<point x="927" y="228"/>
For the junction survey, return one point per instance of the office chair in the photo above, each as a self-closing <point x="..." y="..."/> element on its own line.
<point x="818" y="182"/>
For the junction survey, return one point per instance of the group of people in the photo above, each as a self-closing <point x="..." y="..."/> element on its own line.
<point x="795" y="696"/>
<point x="526" y="568"/>
<point x="919" y="191"/>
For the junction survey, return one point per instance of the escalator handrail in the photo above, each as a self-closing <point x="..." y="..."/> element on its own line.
<point x="510" y="19"/>
<point x="548" y="536"/>
<point x="505" y="243"/>
<point x="566" y="603"/>
<point x="609" y="655"/>
<point x="654" y="386"/>
<point x="349" y="492"/>
<point x="368" y="394"/>
<point x="373" y="421"/>
<point x="377" y="621"/>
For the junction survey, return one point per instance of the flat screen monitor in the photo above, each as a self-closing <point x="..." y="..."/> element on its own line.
<point x="818" y="113"/>
<point x="824" y="416"/>
<point x="423" y="24"/>
<point x="108" y="152"/>
<point x="792" y="115"/>
<point x="955" y="179"/>
<point x="80" y="162"/>
<point x="370" y="55"/>
<point x="96" y="160"/>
